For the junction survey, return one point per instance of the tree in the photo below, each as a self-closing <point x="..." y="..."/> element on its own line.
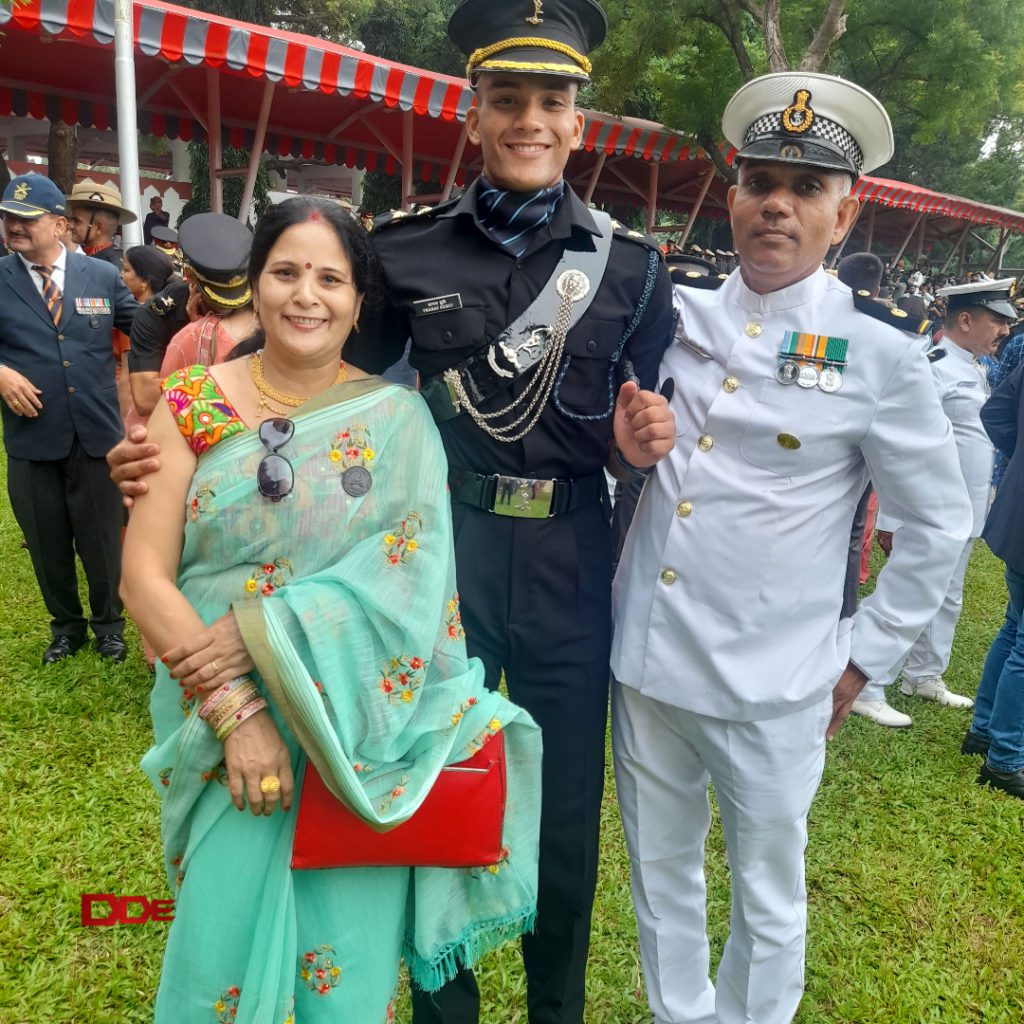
<point x="199" y="171"/>
<point x="945" y="69"/>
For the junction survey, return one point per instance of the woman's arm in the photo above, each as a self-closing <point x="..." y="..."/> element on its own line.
<point x="152" y="551"/>
<point x="153" y="543"/>
<point x="145" y="388"/>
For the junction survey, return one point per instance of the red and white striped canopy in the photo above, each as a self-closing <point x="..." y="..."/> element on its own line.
<point x="329" y="94"/>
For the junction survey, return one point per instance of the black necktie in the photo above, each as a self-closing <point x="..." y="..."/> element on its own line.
<point x="51" y="293"/>
<point x="511" y="218"/>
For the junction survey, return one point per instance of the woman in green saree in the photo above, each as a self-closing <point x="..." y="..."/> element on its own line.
<point x="293" y="558"/>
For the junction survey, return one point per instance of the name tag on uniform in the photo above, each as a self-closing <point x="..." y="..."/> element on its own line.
<point x="442" y="304"/>
<point x="968" y="383"/>
<point x="92" y="307"/>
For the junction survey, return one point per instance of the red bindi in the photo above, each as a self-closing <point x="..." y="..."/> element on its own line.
<point x="309" y="266"/>
<point x="314" y="215"/>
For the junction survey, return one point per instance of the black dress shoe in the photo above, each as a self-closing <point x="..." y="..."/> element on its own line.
<point x="61" y="648"/>
<point x="974" y="744"/>
<point x="111" y="646"/>
<point x="1008" y="782"/>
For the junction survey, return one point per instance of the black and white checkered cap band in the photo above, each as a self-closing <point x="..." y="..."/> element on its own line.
<point x="770" y="125"/>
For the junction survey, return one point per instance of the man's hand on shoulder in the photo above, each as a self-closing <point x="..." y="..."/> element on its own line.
<point x="645" y="429"/>
<point x="130" y="461"/>
<point x="19" y="393"/>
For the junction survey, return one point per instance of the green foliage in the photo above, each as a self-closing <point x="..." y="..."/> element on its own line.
<point x="199" y="172"/>
<point x="946" y="70"/>
<point x="913" y="871"/>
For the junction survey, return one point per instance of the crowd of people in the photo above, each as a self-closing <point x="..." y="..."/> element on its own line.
<point x="334" y="573"/>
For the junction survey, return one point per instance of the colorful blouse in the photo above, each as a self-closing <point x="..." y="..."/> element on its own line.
<point x="201" y="410"/>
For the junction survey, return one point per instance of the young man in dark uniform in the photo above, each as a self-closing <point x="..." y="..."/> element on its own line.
<point x="535" y="592"/>
<point x="544" y="321"/>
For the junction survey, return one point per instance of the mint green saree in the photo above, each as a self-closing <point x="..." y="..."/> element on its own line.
<point x="349" y="608"/>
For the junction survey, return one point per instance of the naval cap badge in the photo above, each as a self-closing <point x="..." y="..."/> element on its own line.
<point x="538" y="10"/>
<point x="798" y="117"/>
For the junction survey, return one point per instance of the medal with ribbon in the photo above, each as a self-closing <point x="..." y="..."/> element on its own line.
<point x="811" y="360"/>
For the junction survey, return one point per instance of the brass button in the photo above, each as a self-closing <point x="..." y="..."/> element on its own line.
<point x="684" y="508"/>
<point x="754" y="330"/>
<point x="72" y="390"/>
<point x="789" y="442"/>
<point x="706" y="442"/>
<point x="67" y="362"/>
<point x="60" y="337"/>
<point x="668" y="577"/>
<point x="730" y="384"/>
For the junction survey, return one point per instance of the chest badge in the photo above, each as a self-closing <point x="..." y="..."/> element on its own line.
<point x="812" y="360"/>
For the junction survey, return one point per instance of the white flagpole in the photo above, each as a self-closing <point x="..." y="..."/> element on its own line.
<point x="127" y="119"/>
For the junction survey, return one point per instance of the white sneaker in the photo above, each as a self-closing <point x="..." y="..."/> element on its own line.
<point x="882" y="714"/>
<point x="934" y="688"/>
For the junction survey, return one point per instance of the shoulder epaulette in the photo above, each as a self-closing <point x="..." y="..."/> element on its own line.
<point x="622" y="231"/>
<point x="898" y="318"/>
<point x="693" y="279"/>
<point x="936" y="354"/>
<point x="386" y="220"/>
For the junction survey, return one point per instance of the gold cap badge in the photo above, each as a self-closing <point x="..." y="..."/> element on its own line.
<point x="21" y="191"/>
<point x="798" y="117"/>
<point x="538" y="10"/>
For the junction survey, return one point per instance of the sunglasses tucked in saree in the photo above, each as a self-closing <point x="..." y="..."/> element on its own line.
<point x="348" y="604"/>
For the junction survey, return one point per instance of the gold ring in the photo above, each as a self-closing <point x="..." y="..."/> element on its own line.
<point x="271" y="784"/>
<point x="15" y="404"/>
<point x="215" y="667"/>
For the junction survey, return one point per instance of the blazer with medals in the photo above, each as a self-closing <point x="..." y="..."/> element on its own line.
<point x="72" y="363"/>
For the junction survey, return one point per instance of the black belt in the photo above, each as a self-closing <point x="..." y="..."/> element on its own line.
<point x="524" y="497"/>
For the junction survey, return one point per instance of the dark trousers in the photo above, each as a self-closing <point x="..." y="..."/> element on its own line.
<point x="536" y="603"/>
<point x="65" y="506"/>
<point x="851" y="585"/>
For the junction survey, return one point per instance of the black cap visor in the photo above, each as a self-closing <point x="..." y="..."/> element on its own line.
<point x="810" y="152"/>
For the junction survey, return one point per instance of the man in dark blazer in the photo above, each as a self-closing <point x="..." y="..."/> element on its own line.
<point x="997" y="731"/>
<point x="60" y="413"/>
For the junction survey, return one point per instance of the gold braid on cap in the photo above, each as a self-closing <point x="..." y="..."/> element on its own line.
<point x="477" y="57"/>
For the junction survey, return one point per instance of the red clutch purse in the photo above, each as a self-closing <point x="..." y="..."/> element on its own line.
<point x="458" y="825"/>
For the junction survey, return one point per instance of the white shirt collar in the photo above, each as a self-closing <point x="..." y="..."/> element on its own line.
<point x="798" y="294"/>
<point x="59" y="264"/>
<point x="953" y="348"/>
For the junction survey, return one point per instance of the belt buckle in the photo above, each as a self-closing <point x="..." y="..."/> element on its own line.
<point x="522" y="497"/>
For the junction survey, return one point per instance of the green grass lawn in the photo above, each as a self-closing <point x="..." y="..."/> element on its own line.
<point x="916" y="888"/>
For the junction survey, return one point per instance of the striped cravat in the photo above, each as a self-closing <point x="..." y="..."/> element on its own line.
<point x="51" y="293"/>
<point x="511" y="218"/>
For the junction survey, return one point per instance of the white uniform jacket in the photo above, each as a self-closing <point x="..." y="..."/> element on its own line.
<point x="728" y="595"/>
<point x="963" y="389"/>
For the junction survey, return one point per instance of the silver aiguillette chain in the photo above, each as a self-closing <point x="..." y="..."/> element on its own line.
<point x="571" y="286"/>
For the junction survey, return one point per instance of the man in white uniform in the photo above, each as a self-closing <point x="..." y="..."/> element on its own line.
<point x="730" y="658"/>
<point x="978" y="318"/>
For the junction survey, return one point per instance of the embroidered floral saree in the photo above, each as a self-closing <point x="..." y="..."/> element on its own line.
<point x="349" y="607"/>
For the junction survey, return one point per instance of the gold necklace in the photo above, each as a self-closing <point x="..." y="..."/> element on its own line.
<point x="268" y="392"/>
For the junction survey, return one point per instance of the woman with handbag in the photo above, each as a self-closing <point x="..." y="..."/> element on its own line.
<point x="293" y="558"/>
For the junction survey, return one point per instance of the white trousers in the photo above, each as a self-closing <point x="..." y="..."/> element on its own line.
<point x="765" y="776"/>
<point x="929" y="657"/>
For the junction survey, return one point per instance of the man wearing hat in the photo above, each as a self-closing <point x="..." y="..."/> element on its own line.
<point x="544" y="321"/>
<point x="60" y="413"/>
<point x="215" y="254"/>
<point x="978" y="318"/>
<point x="96" y="212"/>
<point x="157" y="217"/>
<point x="537" y="327"/>
<point x="730" y="658"/>
<point x="166" y="240"/>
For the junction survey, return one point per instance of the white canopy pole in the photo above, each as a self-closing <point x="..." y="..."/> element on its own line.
<point x="127" y="119"/>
